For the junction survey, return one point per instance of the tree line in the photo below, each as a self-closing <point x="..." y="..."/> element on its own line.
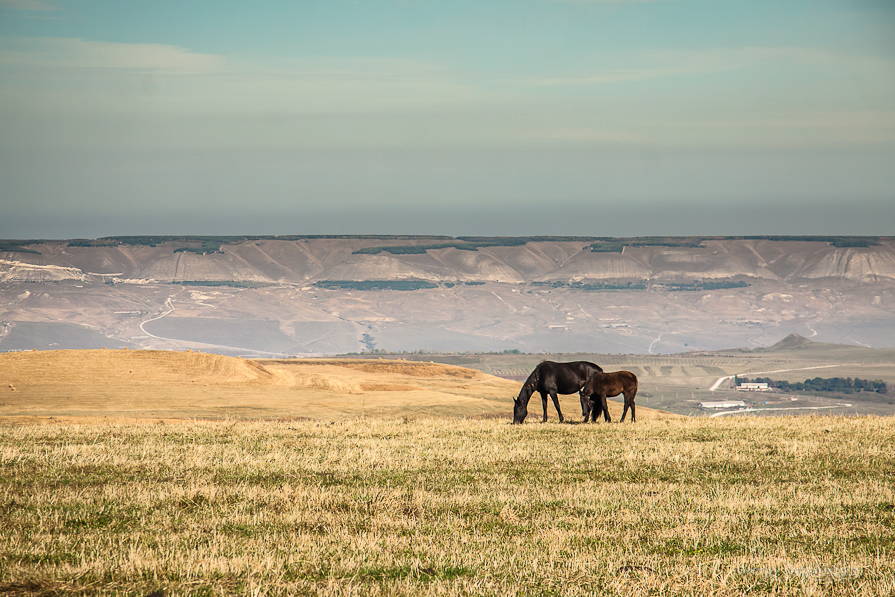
<point x="842" y="385"/>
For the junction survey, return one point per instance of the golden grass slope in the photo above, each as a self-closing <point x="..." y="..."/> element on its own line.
<point x="168" y="384"/>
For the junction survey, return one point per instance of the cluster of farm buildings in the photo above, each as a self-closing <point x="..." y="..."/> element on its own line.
<point x="743" y="387"/>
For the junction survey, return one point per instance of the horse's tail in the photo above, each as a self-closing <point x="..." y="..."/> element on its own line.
<point x="634" y="386"/>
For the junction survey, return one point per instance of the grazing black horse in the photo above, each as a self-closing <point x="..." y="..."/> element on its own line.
<point x="551" y="378"/>
<point x="603" y="385"/>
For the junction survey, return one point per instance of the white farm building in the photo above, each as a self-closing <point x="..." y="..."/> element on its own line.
<point x="722" y="404"/>
<point x="753" y="387"/>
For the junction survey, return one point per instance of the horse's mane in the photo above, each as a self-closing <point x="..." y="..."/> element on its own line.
<point x="535" y="375"/>
<point x="530" y="384"/>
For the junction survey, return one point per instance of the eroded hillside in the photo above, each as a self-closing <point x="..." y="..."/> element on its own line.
<point x="317" y="296"/>
<point x="299" y="261"/>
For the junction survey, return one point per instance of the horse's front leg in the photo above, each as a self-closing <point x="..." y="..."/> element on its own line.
<point x="595" y="402"/>
<point x="544" y="403"/>
<point x="605" y="406"/>
<point x="556" y="404"/>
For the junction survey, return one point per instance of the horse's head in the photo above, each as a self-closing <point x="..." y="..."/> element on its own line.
<point x="591" y="384"/>
<point x="520" y="404"/>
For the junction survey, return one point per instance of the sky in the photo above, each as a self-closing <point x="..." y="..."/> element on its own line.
<point x="522" y="117"/>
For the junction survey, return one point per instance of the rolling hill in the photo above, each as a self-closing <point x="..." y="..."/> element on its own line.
<point x="176" y="385"/>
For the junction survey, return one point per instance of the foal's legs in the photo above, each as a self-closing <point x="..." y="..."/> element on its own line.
<point x="586" y="406"/>
<point x="593" y="407"/>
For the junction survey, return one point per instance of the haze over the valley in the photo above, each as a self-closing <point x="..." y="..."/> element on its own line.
<point x="321" y="296"/>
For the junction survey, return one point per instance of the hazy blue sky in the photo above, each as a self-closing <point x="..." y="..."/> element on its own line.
<point x="576" y="117"/>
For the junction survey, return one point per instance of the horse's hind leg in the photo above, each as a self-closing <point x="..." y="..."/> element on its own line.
<point x="556" y="404"/>
<point x="586" y="406"/>
<point x="629" y="401"/>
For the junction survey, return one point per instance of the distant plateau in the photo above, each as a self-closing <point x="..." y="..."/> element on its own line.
<point x="328" y="295"/>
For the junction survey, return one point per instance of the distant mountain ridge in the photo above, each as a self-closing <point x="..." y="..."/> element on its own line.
<point x="302" y="260"/>
<point x="341" y="294"/>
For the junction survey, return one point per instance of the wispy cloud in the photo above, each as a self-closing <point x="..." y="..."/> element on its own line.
<point x="52" y="74"/>
<point x="660" y="64"/>
<point x="606" y="76"/>
<point x="35" y="5"/>
<point x="172" y="96"/>
<point x="724" y="59"/>
<point x="75" y="53"/>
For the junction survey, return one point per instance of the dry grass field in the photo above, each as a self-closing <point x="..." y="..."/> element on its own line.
<point x="375" y="506"/>
<point x="135" y="472"/>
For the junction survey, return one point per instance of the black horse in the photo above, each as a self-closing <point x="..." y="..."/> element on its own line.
<point x="603" y="385"/>
<point x="551" y="378"/>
